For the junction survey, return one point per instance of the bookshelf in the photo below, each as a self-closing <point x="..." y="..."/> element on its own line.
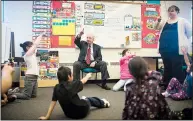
<point x="48" y="66"/>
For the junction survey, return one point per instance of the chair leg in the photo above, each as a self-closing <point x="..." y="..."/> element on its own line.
<point x="96" y="77"/>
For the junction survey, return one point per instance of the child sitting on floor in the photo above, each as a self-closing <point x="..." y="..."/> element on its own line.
<point x="126" y="77"/>
<point x="175" y="89"/>
<point x="31" y="75"/>
<point x="143" y="96"/>
<point x="66" y="92"/>
<point x="6" y="82"/>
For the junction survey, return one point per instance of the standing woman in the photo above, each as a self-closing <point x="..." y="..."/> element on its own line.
<point x="31" y="75"/>
<point x="175" y="33"/>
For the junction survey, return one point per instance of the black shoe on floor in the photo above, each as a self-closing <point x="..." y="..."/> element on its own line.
<point x="187" y="112"/>
<point x="33" y="96"/>
<point x="106" y="87"/>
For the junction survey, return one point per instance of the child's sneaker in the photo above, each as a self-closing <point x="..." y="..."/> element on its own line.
<point x="16" y="90"/>
<point x="165" y="94"/>
<point x="83" y="97"/>
<point x="10" y="92"/>
<point x="106" y="103"/>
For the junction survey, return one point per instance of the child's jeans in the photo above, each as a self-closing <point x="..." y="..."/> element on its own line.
<point x="176" y="89"/>
<point x="95" y="102"/>
<point x="30" y="88"/>
<point x="121" y="83"/>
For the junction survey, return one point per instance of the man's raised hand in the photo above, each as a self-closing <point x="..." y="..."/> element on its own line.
<point x="81" y="32"/>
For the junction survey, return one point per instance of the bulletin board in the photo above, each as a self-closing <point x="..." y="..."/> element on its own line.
<point x="41" y="21"/>
<point x="115" y="25"/>
<point x="63" y="24"/>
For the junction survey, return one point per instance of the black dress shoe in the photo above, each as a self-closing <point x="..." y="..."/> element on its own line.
<point x="106" y="87"/>
<point x="33" y="96"/>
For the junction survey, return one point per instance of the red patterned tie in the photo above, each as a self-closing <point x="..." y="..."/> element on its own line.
<point x="88" y="55"/>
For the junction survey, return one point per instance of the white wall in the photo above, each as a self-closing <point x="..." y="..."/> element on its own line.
<point x="18" y="16"/>
<point x="185" y="8"/>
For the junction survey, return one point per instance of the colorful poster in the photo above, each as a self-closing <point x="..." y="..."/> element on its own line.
<point x="149" y="17"/>
<point x="62" y="41"/>
<point x="52" y="73"/>
<point x="54" y="57"/>
<point x="132" y="23"/>
<point x="49" y="64"/>
<point x="43" y="54"/>
<point x="41" y="21"/>
<point x="136" y="36"/>
<point x="63" y="9"/>
<point x="65" y="26"/>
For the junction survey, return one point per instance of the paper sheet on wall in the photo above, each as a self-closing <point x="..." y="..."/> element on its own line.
<point x="150" y="36"/>
<point x="65" y="40"/>
<point x="128" y="21"/>
<point x="62" y="41"/>
<point x="41" y="21"/>
<point x="63" y="26"/>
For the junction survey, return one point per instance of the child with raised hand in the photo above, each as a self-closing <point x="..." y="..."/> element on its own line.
<point x="66" y="93"/>
<point x="175" y="89"/>
<point x="31" y="75"/>
<point x="125" y="76"/>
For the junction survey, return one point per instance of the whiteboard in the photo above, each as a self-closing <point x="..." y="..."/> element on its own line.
<point x="114" y="25"/>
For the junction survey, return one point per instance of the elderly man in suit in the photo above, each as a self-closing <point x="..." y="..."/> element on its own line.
<point x="90" y="56"/>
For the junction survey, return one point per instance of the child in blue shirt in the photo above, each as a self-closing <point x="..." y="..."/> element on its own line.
<point x="175" y="89"/>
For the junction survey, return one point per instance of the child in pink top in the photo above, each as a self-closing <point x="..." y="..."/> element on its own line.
<point x="125" y="76"/>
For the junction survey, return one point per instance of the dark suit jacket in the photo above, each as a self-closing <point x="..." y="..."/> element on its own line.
<point x="83" y="50"/>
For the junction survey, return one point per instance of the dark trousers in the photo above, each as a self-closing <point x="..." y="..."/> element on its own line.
<point x="102" y="66"/>
<point x="95" y="102"/>
<point x="173" y="67"/>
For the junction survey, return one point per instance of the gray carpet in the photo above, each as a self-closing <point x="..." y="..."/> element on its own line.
<point x="32" y="109"/>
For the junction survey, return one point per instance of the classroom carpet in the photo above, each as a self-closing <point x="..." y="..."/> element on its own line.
<point x="36" y="107"/>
